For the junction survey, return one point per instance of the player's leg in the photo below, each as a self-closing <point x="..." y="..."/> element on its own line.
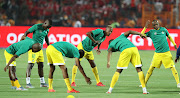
<point x="74" y="69"/>
<point x="114" y="80"/>
<point x="12" y="80"/>
<point x="41" y="74"/>
<point x="50" y="54"/>
<point x="66" y="79"/>
<point x="95" y="71"/>
<point x="149" y="73"/>
<point x="40" y="63"/>
<point x="176" y="77"/>
<point x="123" y="62"/>
<point x="142" y="79"/>
<point x="32" y="57"/>
<point x="168" y="63"/>
<point x="50" y="79"/>
<point x="12" y="77"/>
<point x="28" y="74"/>
<point x="90" y="58"/>
<point x="12" y="72"/>
<point x="156" y="63"/>
<point x="74" y="72"/>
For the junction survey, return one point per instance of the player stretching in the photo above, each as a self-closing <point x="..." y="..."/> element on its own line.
<point x="129" y="53"/>
<point x="94" y="38"/>
<point x="40" y="31"/>
<point x="162" y="53"/>
<point x="14" y="51"/>
<point x="54" y="55"/>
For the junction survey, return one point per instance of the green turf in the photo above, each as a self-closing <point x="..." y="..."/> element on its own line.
<point x="161" y="84"/>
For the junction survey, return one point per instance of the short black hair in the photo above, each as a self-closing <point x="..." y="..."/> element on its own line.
<point x="110" y="41"/>
<point x="81" y="52"/>
<point x="50" y="21"/>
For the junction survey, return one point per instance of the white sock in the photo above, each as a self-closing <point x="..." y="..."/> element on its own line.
<point x="144" y="89"/>
<point x="28" y="80"/>
<point x="110" y="89"/>
<point x="42" y="80"/>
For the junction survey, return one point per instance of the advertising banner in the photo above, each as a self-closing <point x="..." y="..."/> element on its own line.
<point x="10" y="35"/>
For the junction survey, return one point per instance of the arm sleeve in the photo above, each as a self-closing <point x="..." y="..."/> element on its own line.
<point x="33" y="28"/>
<point x="170" y="38"/>
<point x="143" y="31"/>
<point x="166" y="31"/>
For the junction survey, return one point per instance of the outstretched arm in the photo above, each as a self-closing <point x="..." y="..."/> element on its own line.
<point x="88" y="80"/>
<point x="108" y="57"/>
<point x="134" y="33"/>
<point x="11" y="60"/>
<point x="98" y="50"/>
<point x="145" y="27"/>
<point x="170" y="38"/>
<point x="25" y="34"/>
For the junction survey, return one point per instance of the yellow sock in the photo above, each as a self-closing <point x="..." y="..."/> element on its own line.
<point x="149" y="73"/>
<point x="175" y="74"/>
<point x="12" y="83"/>
<point x="50" y="81"/>
<point x="68" y="84"/>
<point x="74" y="71"/>
<point x="16" y="83"/>
<point x="114" y="79"/>
<point x="141" y="78"/>
<point x="95" y="71"/>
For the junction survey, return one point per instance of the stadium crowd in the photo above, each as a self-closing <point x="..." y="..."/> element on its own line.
<point x="77" y="13"/>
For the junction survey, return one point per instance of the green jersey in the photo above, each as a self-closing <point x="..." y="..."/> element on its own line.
<point x="67" y="49"/>
<point x="38" y="33"/>
<point x="20" y="47"/>
<point x="120" y="43"/>
<point x="98" y="35"/>
<point x="159" y="39"/>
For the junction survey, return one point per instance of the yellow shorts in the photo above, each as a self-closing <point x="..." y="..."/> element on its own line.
<point x="54" y="56"/>
<point x="34" y="57"/>
<point x="87" y="55"/>
<point x="162" y="58"/>
<point x="129" y="55"/>
<point x="8" y="57"/>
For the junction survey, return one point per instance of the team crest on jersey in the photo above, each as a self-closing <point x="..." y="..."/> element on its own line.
<point x="100" y="37"/>
<point x="162" y="32"/>
<point x="155" y="33"/>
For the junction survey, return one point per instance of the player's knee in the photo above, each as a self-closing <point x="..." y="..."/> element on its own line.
<point x="138" y="69"/>
<point x="119" y="70"/>
<point x="92" y="63"/>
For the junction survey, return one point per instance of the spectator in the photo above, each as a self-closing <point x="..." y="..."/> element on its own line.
<point x="158" y="6"/>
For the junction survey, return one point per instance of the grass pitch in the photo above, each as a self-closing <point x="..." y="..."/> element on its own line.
<point x="161" y="83"/>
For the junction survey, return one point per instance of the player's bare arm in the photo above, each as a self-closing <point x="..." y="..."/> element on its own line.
<point x="47" y="40"/>
<point x="11" y="60"/>
<point x="25" y="34"/>
<point x="98" y="50"/>
<point x="145" y="27"/>
<point x="89" y="35"/>
<point x="88" y="80"/>
<point x="134" y="33"/>
<point x="108" y="57"/>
